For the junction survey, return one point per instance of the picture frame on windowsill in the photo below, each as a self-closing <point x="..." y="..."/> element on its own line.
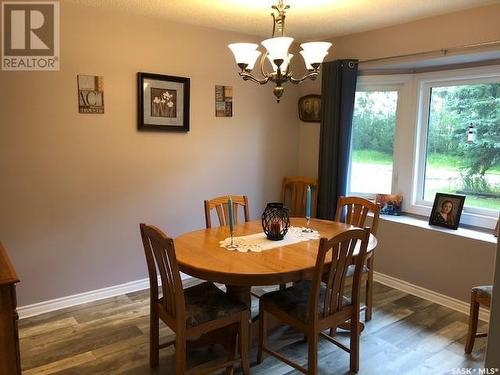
<point x="446" y="210"/>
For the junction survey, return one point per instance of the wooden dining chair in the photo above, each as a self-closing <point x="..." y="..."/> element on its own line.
<point x="220" y="206"/>
<point x="190" y="313"/>
<point x="480" y="296"/>
<point x="311" y="307"/>
<point x="354" y="211"/>
<point x="293" y="194"/>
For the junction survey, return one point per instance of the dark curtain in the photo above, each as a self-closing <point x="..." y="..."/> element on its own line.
<point x="338" y="87"/>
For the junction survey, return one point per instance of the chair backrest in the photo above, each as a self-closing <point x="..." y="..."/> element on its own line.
<point x="356" y="210"/>
<point x="160" y="255"/>
<point x="342" y="248"/>
<point x="293" y="194"/>
<point x="220" y="206"/>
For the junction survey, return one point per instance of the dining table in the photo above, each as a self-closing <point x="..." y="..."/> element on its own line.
<point x="199" y="254"/>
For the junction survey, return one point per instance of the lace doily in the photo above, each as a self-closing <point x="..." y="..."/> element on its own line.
<point x="259" y="242"/>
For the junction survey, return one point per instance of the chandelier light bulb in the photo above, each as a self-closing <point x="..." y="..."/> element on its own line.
<point x="277" y="48"/>
<point x="245" y="53"/>
<point x="314" y="53"/>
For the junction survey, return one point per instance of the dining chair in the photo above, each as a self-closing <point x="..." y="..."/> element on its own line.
<point x="220" y="206"/>
<point x="480" y="296"/>
<point x="190" y="313"/>
<point x="354" y="211"/>
<point x="311" y="307"/>
<point x="293" y="194"/>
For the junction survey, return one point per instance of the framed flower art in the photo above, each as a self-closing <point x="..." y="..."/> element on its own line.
<point x="163" y="102"/>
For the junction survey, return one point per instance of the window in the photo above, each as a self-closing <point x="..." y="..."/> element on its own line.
<point x="455" y="161"/>
<point x="410" y="137"/>
<point x="372" y="144"/>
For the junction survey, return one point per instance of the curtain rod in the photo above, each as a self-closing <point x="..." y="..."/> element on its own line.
<point x="444" y="51"/>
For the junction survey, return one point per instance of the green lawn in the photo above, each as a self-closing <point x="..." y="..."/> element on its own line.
<point x="440" y="161"/>
<point x="470" y="200"/>
<point x="371" y="157"/>
<point x="436" y="161"/>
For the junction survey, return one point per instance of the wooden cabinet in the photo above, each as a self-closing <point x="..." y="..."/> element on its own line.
<point x="10" y="363"/>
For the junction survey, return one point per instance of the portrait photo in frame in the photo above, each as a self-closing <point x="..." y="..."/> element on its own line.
<point x="310" y="108"/>
<point x="163" y="102"/>
<point x="447" y="210"/>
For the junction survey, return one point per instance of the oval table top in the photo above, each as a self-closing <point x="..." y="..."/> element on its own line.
<point x="200" y="255"/>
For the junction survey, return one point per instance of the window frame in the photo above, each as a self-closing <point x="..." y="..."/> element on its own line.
<point x="481" y="217"/>
<point x="379" y="83"/>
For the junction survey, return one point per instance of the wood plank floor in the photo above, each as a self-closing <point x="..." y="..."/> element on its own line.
<point x="407" y="335"/>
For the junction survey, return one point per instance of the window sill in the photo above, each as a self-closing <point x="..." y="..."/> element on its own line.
<point x="467" y="232"/>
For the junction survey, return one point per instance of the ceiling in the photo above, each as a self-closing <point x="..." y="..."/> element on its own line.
<point x="306" y="19"/>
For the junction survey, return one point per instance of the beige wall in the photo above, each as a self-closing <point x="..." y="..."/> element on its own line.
<point x="451" y="30"/>
<point x="307" y="164"/>
<point x="445" y="263"/>
<point x="74" y="187"/>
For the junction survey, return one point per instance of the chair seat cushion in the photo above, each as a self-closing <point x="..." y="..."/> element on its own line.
<point x="205" y="302"/>
<point x="295" y="300"/>
<point x="484" y="292"/>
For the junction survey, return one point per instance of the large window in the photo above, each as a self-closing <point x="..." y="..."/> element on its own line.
<point x="372" y="144"/>
<point x="419" y="134"/>
<point x="463" y="143"/>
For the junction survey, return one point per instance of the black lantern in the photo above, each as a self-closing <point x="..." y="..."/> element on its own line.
<point x="275" y="221"/>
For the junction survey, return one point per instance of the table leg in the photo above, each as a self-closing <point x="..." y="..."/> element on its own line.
<point x="240" y="293"/>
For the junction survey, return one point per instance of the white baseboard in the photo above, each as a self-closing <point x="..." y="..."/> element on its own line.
<point x="133" y="286"/>
<point x="85" y="297"/>
<point x="428" y="294"/>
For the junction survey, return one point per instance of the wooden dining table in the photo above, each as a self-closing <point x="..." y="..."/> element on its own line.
<point x="200" y="254"/>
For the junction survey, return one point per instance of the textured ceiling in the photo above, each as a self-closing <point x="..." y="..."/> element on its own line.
<point x="306" y="19"/>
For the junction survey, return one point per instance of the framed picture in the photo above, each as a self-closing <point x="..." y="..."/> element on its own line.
<point x="223" y="101"/>
<point x="310" y="108"/>
<point x="163" y="102"/>
<point x="447" y="210"/>
<point x="90" y="94"/>
<point x="390" y="204"/>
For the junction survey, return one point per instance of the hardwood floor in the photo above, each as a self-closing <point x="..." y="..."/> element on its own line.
<point x="407" y="335"/>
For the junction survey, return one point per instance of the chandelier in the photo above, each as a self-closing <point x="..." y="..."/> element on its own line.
<point x="246" y="54"/>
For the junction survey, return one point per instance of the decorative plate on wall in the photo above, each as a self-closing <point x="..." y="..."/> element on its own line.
<point x="310" y="108"/>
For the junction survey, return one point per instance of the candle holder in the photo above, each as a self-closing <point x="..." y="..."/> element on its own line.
<point x="276" y="221"/>
<point x="232" y="245"/>
<point x="307" y="229"/>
